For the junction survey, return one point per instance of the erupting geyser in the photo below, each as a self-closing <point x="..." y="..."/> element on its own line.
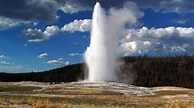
<point x="100" y="56"/>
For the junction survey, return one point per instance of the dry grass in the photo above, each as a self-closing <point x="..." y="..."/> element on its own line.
<point x="170" y="92"/>
<point x="31" y="101"/>
<point x="99" y="101"/>
<point x="96" y="98"/>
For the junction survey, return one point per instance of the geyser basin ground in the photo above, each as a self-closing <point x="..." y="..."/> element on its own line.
<point x="91" y="94"/>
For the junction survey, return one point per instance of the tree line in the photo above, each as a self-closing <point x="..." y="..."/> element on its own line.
<point x="64" y="74"/>
<point x="163" y="71"/>
<point x="147" y="71"/>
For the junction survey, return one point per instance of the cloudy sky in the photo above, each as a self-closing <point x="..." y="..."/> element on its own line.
<point x="38" y="35"/>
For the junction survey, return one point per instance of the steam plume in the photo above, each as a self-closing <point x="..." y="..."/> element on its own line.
<point x="101" y="55"/>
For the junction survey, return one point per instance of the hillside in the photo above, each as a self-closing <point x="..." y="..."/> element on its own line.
<point x="147" y="71"/>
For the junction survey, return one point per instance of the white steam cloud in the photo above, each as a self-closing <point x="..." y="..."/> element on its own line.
<point x="101" y="55"/>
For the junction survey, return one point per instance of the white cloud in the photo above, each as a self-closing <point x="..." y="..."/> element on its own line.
<point x="43" y="55"/>
<point x="34" y="35"/>
<point x="60" y="58"/>
<point x="78" y="25"/>
<point x="51" y="30"/>
<point x="6" y="23"/>
<point x="76" y="44"/>
<point x="182" y="20"/>
<point x="37" y="35"/>
<point x="4" y="57"/>
<point x="32" y="10"/>
<point x="178" y="6"/>
<point x="35" y="23"/>
<point x="6" y="63"/>
<point x="75" y="54"/>
<point x="72" y="8"/>
<point x="25" y="45"/>
<point x="57" y="62"/>
<point x="169" y="40"/>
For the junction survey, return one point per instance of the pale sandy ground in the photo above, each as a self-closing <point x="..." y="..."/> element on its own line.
<point x="173" y="89"/>
<point x="169" y="88"/>
<point x="126" y="89"/>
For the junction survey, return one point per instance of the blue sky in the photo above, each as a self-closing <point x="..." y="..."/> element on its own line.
<point x="37" y="35"/>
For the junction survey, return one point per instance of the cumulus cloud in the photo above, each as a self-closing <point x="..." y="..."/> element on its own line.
<point x="34" y="35"/>
<point x="60" y="59"/>
<point x="57" y="62"/>
<point x="32" y="10"/>
<point x="76" y="44"/>
<point x="45" y="10"/>
<point x="25" y="45"/>
<point x="169" y="40"/>
<point x="75" y="54"/>
<point x="71" y="6"/>
<point x="167" y="5"/>
<point x="6" y="63"/>
<point x="4" y="57"/>
<point x="37" y="35"/>
<point x="17" y="13"/>
<point x="181" y="20"/>
<point x="51" y="30"/>
<point x="77" y="25"/>
<point x="6" y="23"/>
<point x="35" y="23"/>
<point x="85" y="25"/>
<point x="43" y="55"/>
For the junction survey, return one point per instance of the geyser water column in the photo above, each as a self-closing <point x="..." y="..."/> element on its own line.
<point x="100" y="55"/>
<point x="102" y="52"/>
